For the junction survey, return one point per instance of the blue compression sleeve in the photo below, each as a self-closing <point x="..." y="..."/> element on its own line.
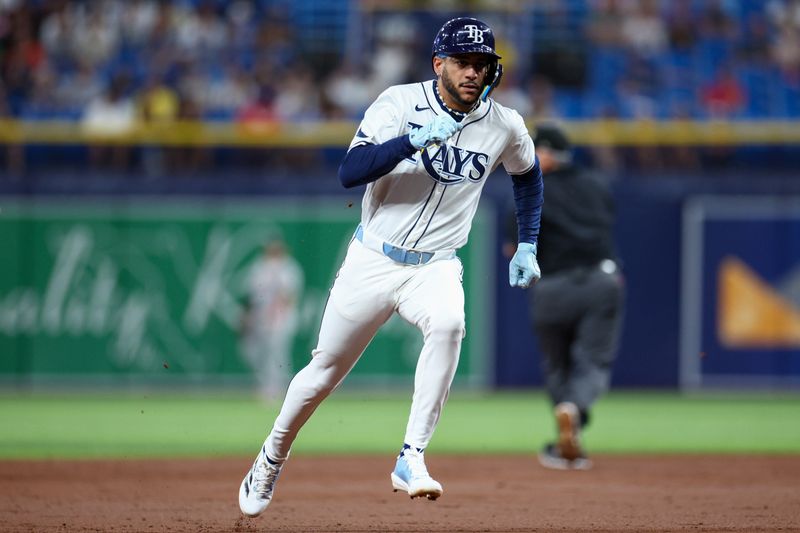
<point x="368" y="162"/>
<point x="528" y="198"/>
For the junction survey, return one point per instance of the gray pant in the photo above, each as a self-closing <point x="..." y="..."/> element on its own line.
<point x="577" y="316"/>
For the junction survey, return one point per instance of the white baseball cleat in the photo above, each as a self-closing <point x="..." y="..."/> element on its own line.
<point x="257" y="487"/>
<point x="411" y="475"/>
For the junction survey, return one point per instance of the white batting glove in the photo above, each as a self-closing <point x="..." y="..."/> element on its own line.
<point x="436" y="131"/>
<point x="523" y="269"/>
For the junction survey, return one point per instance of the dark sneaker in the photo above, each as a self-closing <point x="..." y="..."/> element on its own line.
<point x="568" y="420"/>
<point x="550" y="457"/>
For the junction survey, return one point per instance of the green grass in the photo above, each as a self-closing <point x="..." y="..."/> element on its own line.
<point x="158" y="425"/>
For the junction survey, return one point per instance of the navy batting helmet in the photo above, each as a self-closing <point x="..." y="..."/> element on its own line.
<point x="467" y="35"/>
<point x="464" y="35"/>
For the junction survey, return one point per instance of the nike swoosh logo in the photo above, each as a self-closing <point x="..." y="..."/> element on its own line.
<point x="418" y="108"/>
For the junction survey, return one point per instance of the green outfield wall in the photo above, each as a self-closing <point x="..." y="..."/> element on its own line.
<point x="151" y="291"/>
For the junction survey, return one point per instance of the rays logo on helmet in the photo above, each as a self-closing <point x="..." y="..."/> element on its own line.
<point x="464" y="35"/>
<point x="449" y="165"/>
<point x="475" y="33"/>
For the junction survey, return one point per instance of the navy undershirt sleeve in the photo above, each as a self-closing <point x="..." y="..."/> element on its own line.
<point x="528" y="198"/>
<point x="368" y="162"/>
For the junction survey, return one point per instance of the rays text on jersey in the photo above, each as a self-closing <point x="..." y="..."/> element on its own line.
<point x="449" y="164"/>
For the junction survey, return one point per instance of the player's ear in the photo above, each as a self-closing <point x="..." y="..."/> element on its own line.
<point x="438" y="65"/>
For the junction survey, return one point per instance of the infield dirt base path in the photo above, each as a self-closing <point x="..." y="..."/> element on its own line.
<point x="508" y="493"/>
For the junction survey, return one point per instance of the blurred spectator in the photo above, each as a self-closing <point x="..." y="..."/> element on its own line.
<point x="241" y="24"/>
<point x="138" y="21"/>
<point x="298" y="97"/>
<point x="716" y="22"/>
<point x="607" y="157"/>
<point x="604" y="23"/>
<point x="786" y="52"/>
<point x="783" y="12"/>
<point x="635" y="100"/>
<point x="189" y="156"/>
<point x="682" y="156"/>
<point x="227" y="91"/>
<point x="644" y="30"/>
<point x="754" y="47"/>
<point x="56" y="34"/>
<point x="198" y="31"/>
<point x="95" y="36"/>
<point x="724" y="96"/>
<point x="392" y="59"/>
<point x="159" y="106"/>
<point x="681" y="25"/>
<point x="541" y="93"/>
<point x="347" y="89"/>
<point x="512" y="95"/>
<point x="13" y="152"/>
<point x="276" y="39"/>
<point x="630" y="58"/>
<point x="110" y="118"/>
<point x="259" y="116"/>
<point x="40" y="100"/>
<point x="23" y="56"/>
<point x="78" y="87"/>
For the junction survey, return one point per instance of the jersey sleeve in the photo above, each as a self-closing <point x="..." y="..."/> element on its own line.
<point x="519" y="156"/>
<point x="381" y="121"/>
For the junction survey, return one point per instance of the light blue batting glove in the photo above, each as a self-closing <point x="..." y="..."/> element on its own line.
<point x="523" y="269"/>
<point x="436" y="131"/>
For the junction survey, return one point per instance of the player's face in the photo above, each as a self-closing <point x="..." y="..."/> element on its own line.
<point x="547" y="161"/>
<point x="462" y="78"/>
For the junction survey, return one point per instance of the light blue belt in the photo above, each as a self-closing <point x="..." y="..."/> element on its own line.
<point x="395" y="253"/>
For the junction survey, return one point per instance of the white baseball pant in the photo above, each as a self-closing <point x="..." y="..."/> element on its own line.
<point x="368" y="289"/>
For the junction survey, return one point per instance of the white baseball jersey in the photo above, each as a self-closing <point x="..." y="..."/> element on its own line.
<point x="425" y="203"/>
<point x="428" y="200"/>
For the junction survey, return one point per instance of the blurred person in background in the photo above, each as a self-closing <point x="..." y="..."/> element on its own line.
<point x="577" y="306"/>
<point x="14" y="159"/>
<point x="347" y="90"/>
<point x="259" y="118"/>
<point x="603" y="23"/>
<point x="681" y="26"/>
<point x="786" y="52"/>
<point x="717" y="21"/>
<point x="191" y="156"/>
<point x="109" y="119"/>
<point x="95" y="37"/>
<point x="77" y="87"/>
<point x="269" y="321"/>
<point x="159" y="105"/>
<point x="644" y="29"/>
<point x="298" y="97"/>
<point x="723" y="97"/>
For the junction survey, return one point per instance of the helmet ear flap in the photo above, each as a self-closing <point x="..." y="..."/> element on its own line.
<point x="493" y="76"/>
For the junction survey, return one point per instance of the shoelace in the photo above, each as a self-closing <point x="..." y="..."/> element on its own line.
<point x="264" y="478"/>
<point x="416" y="464"/>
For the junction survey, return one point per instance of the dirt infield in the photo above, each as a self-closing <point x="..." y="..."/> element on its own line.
<point x="682" y="493"/>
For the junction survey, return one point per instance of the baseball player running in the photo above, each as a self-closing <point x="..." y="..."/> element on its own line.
<point x="424" y="152"/>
